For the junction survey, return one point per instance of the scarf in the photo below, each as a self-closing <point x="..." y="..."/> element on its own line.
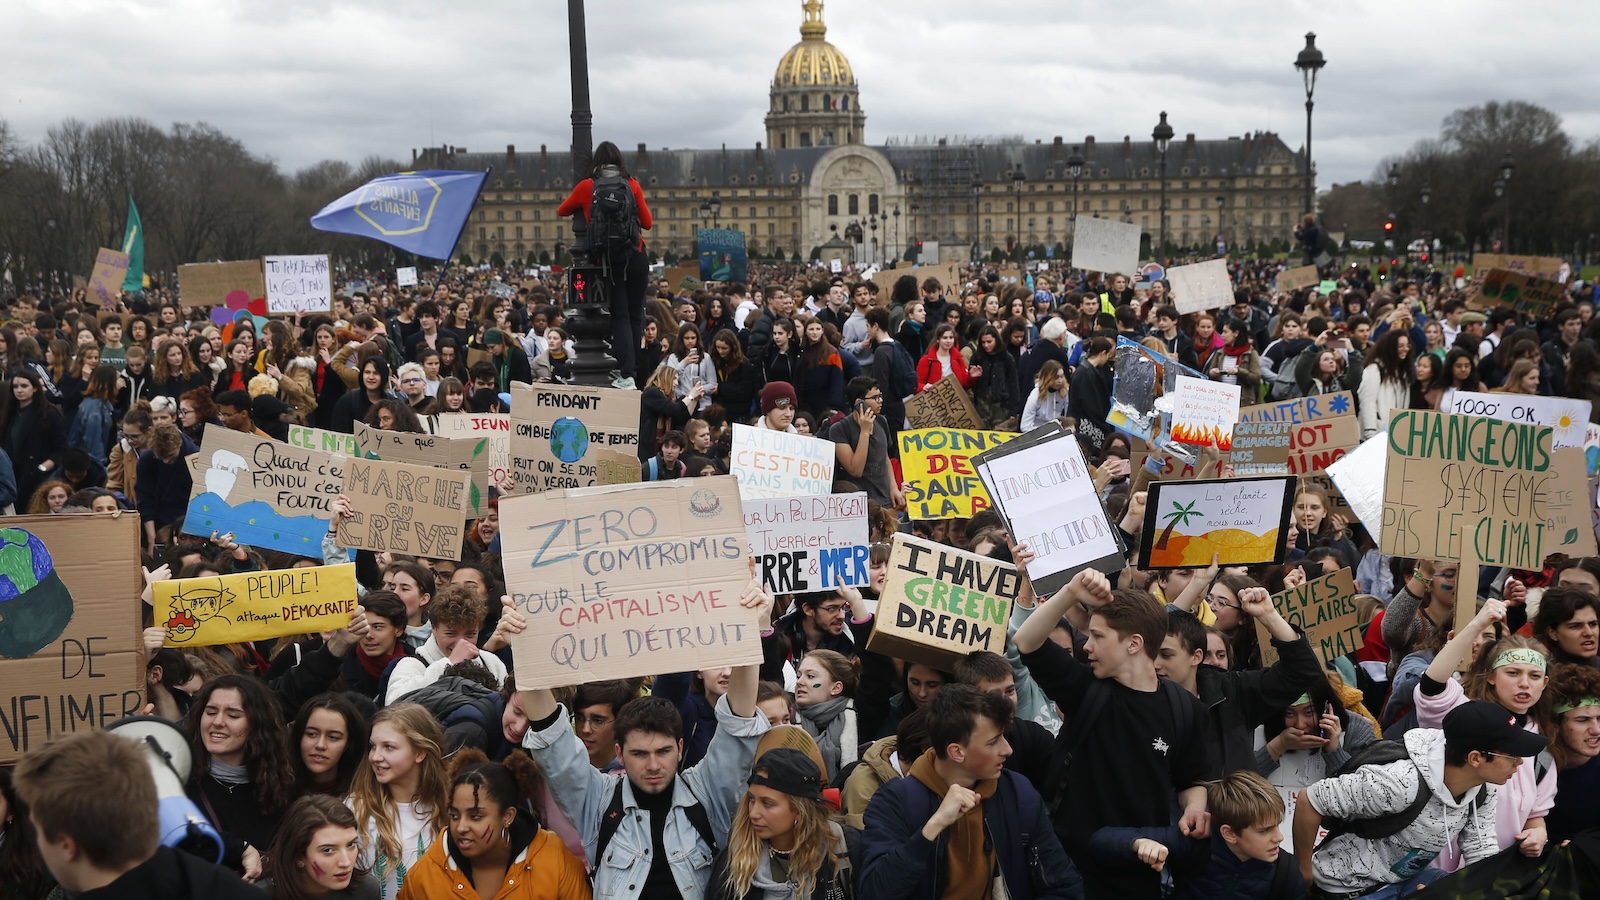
<point x="833" y="724"/>
<point x="374" y="666"/>
<point x="1236" y="352"/>
<point x="969" y="868"/>
<point x="227" y="774"/>
<point x="764" y="886"/>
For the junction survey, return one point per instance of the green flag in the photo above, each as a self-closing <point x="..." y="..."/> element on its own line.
<point x="133" y="245"/>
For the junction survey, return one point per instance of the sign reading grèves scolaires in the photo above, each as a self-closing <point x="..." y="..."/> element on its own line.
<point x="625" y="580"/>
<point x="254" y="606"/>
<point x="1325" y="609"/>
<point x="940" y="604"/>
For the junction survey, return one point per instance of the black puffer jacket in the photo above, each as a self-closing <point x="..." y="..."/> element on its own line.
<point x="468" y="711"/>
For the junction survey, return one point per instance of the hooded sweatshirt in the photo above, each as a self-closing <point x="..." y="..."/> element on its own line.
<point x="969" y="867"/>
<point x="1348" y="863"/>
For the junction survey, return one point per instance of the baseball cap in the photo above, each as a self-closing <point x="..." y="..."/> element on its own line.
<point x="1491" y="728"/>
<point x="789" y="771"/>
<point x="1471" y="318"/>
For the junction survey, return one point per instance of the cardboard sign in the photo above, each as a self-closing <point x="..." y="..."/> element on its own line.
<point x="947" y="274"/>
<point x="676" y="278"/>
<point x="1142" y="377"/>
<point x="70" y="651"/>
<point x="1204" y="412"/>
<point x="566" y="436"/>
<point x="298" y="284"/>
<point x="405" y="276"/>
<point x="1241" y="520"/>
<point x="1044" y="489"/>
<point x="309" y="438"/>
<point x="254" y="606"/>
<point x="110" y="271"/>
<point x="626" y="580"/>
<point x="1298" y="278"/>
<point x="1546" y="267"/>
<point x="1284" y="448"/>
<point x="1325" y="609"/>
<point x="1201" y="286"/>
<point x="1302" y="410"/>
<point x="1529" y="296"/>
<point x="418" y="510"/>
<point x="937" y="474"/>
<point x="809" y="543"/>
<point x="1359" y="476"/>
<point x="468" y="454"/>
<point x="770" y="464"/>
<point x="496" y="427"/>
<point x="945" y="404"/>
<point x="1567" y="419"/>
<point x="267" y="493"/>
<point x="1456" y="479"/>
<point x="940" y="604"/>
<point x="1105" y="245"/>
<point x="214" y="284"/>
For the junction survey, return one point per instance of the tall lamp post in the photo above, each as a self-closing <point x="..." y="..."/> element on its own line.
<point x="1075" y="169"/>
<point x="977" y="189"/>
<point x="1222" y="224"/>
<point x="1309" y="62"/>
<point x="900" y="251"/>
<point x="1017" y="179"/>
<point x="1507" y="166"/>
<point x="589" y="314"/>
<point x="872" y="222"/>
<point x="1427" y="236"/>
<point x="1394" y="197"/>
<point x="1163" y="137"/>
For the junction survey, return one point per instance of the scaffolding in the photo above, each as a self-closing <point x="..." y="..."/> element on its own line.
<point x="938" y="175"/>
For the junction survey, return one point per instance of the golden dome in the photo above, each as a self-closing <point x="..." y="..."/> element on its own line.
<point x="813" y="62"/>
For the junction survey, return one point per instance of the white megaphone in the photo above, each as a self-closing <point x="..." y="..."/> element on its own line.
<point x="167" y="752"/>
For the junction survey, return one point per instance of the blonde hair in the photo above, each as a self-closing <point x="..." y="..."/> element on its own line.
<point x="1243" y="800"/>
<point x="371" y="800"/>
<point x="1475" y="683"/>
<point x="664" y="379"/>
<point x="814" y="846"/>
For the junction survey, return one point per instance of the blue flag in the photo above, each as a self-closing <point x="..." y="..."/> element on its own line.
<point x="419" y="212"/>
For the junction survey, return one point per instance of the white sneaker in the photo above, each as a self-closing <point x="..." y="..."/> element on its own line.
<point x="625" y="384"/>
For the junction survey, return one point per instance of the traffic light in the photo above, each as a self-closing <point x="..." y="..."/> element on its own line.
<point x="1388" y="225"/>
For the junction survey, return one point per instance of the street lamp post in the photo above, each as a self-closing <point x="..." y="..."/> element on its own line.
<point x="1309" y="62"/>
<point x="1427" y="237"/>
<point x="872" y="222"/>
<point x="1222" y="224"/>
<point x="977" y="189"/>
<point x="1507" y="166"/>
<point x="1075" y="169"/>
<point x="589" y="313"/>
<point x="1017" y="179"/>
<point x="900" y="251"/>
<point x="1163" y="137"/>
<point x="1394" y="197"/>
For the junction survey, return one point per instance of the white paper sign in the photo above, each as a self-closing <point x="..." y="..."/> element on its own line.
<point x="835" y="266"/>
<point x="406" y="276"/>
<point x="778" y="464"/>
<point x="813" y="543"/>
<point x="1568" y="418"/>
<point x="298" y="284"/>
<point x="1204" y="412"/>
<point x="1048" y="495"/>
<point x="1359" y="475"/>
<point x="1201" y="286"/>
<point x="1105" y="245"/>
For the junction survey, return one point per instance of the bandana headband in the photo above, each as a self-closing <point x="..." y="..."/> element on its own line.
<point x="1303" y="700"/>
<point x="1520" y="656"/>
<point x="1564" y="708"/>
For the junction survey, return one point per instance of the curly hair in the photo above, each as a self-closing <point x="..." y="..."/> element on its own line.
<point x="266" y="745"/>
<point x="516" y="784"/>
<point x="1571" y="685"/>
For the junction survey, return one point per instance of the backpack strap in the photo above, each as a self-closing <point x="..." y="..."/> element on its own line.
<point x="655" y="474"/>
<point x="1282" y="878"/>
<point x="1182" y="714"/>
<point x="1095" y="699"/>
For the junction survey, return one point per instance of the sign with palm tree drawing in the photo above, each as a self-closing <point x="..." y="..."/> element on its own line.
<point x="1242" y="520"/>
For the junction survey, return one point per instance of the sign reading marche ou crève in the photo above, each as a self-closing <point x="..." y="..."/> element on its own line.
<point x="403" y="508"/>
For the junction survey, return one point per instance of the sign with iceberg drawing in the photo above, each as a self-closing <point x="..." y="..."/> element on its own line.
<point x="265" y="492"/>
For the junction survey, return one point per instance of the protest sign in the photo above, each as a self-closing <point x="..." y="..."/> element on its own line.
<point x="403" y="508"/>
<point x="936" y="471"/>
<point x="1285" y="448"/>
<point x="405" y="276"/>
<point x="1325" y="609"/>
<point x="1204" y="412"/>
<point x="254" y="606"/>
<point x="1546" y="267"/>
<point x="1105" y="245"/>
<point x="70" y="652"/>
<point x="265" y="492"/>
<point x="1455" y="479"/>
<point x="945" y="404"/>
<point x="1359" y="477"/>
<point x="1241" y="520"/>
<point x="468" y="454"/>
<point x="947" y="274"/>
<point x="496" y="427"/>
<point x="1301" y="410"/>
<point x="771" y="464"/>
<point x="940" y="604"/>
<point x="682" y="278"/>
<point x="722" y="254"/>
<point x="310" y="438"/>
<point x="1201" y="286"/>
<point x="1046" y="494"/>
<point x="809" y="543"/>
<point x="110" y="271"/>
<point x="298" y="284"/>
<point x="566" y="436"/>
<point x="1567" y="419"/>
<point x="1529" y="296"/>
<point x="212" y="284"/>
<point x="1298" y="278"/>
<point x="1142" y="377"/>
<point x="626" y="580"/>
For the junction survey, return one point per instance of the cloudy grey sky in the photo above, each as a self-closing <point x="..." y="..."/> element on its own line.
<point x="305" y="80"/>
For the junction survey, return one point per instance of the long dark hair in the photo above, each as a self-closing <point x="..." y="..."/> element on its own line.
<point x="1386" y="356"/>
<point x="607" y="154"/>
<point x="1472" y="382"/>
<point x="266" y="748"/>
<point x="735" y="357"/>
<point x="355" y="744"/>
<point x="21" y="866"/>
<point x="300" y="824"/>
<point x="1582" y="362"/>
<point x="1322" y="695"/>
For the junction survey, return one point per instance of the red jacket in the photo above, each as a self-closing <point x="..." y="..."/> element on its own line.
<point x="578" y="202"/>
<point x="930" y="372"/>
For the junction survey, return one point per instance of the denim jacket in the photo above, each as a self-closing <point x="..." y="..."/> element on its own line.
<point x="584" y="793"/>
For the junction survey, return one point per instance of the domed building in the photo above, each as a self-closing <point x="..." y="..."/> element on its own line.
<point x="815" y="99"/>
<point x="814" y="183"/>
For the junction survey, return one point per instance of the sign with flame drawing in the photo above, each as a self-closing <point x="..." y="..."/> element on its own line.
<point x="1204" y="412"/>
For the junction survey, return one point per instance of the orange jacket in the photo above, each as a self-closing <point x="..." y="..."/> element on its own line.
<point x="545" y="870"/>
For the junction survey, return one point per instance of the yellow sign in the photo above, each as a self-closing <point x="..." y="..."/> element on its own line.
<point x="254" y="606"/>
<point x="936" y="467"/>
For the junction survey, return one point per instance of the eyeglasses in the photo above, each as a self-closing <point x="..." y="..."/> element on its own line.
<point x="411" y="380"/>
<point x="834" y="608"/>
<point x="593" y="721"/>
<point x="1216" y="602"/>
<point x="877" y="397"/>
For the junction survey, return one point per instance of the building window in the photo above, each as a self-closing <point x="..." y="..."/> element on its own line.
<point x="872" y="204"/>
<point x="499" y="215"/>
<point x="752" y="212"/>
<point x="538" y="232"/>
<point x="483" y="233"/>
<point x="833" y="204"/>
<point x="733" y="212"/>
<point x="805" y="138"/>
<point x="482" y="215"/>
<point x="805" y="102"/>
<point x="855" y="204"/>
<point x="771" y="210"/>
<point x="827" y="101"/>
<point x="1186" y="203"/>
<point x="1106" y="204"/>
<point x="519" y="232"/>
<point x="783" y="138"/>
<point x="1144" y="221"/>
<point x="500" y="231"/>
<point x="1145" y="203"/>
<point x="772" y="229"/>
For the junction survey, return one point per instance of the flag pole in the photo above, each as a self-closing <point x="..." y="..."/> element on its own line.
<point x="459" y="232"/>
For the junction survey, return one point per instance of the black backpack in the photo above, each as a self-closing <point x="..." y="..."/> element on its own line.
<point x="612" y="820"/>
<point x="903" y="377"/>
<point x="1382" y="753"/>
<point x="613" y="218"/>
